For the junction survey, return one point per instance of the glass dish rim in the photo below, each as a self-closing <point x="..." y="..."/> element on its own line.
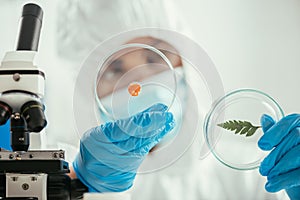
<point x="132" y="45"/>
<point x="249" y="166"/>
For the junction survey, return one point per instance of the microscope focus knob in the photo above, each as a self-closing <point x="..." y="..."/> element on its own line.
<point x="5" y="113"/>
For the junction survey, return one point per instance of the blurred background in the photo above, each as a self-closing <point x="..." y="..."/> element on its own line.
<point x="252" y="43"/>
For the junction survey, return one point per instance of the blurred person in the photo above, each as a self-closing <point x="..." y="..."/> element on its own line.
<point x="96" y="21"/>
<point x="83" y="27"/>
<point x="191" y="178"/>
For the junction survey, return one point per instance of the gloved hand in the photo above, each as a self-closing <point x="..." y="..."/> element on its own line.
<point x="111" y="153"/>
<point x="282" y="165"/>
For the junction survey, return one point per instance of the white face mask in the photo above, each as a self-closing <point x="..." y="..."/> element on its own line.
<point x="121" y="105"/>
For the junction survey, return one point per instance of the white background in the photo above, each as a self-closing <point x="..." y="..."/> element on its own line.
<point x="252" y="43"/>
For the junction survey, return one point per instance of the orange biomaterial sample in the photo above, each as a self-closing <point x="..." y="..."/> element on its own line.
<point x="134" y="89"/>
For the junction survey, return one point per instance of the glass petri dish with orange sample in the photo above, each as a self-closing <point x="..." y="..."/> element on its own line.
<point x="132" y="78"/>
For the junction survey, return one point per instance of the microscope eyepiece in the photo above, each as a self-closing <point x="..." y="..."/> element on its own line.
<point x="33" y="113"/>
<point x="34" y="10"/>
<point x="31" y="23"/>
<point x="5" y="112"/>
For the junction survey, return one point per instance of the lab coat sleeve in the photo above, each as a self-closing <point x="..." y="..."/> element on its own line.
<point x="108" y="196"/>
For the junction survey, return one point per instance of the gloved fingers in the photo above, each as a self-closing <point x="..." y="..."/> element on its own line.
<point x="278" y="131"/>
<point x="109" y="155"/>
<point x="141" y="125"/>
<point x="95" y="174"/>
<point x="96" y="144"/>
<point x="97" y="135"/>
<point x="276" y="154"/>
<point x="135" y="143"/>
<point x="293" y="192"/>
<point x="284" y="181"/>
<point x="113" y="183"/>
<point x="121" y="130"/>
<point x="114" y="131"/>
<point x="149" y="144"/>
<point x="266" y="122"/>
<point x="290" y="161"/>
<point x="157" y="107"/>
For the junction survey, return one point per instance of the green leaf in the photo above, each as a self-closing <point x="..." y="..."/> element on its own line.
<point x="251" y="131"/>
<point x="245" y="130"/>
<point x="240" y="127"/>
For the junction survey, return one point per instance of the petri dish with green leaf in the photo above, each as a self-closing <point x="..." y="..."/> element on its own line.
<point x="232" y="127"/>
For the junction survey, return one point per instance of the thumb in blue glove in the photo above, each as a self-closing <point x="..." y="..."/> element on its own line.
<point x="111" y="153"/>
<point x="282" y="165"/>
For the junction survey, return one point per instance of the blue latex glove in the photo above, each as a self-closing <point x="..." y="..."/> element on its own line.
<point x="5" y="136"/>
<point x="282" y="165"/>
<point x="111" y="153"/>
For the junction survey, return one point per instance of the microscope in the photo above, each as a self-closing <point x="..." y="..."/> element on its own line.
<point x="25" y="174"/>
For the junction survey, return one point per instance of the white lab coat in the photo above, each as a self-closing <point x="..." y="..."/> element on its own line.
<point x="188" y="178"/>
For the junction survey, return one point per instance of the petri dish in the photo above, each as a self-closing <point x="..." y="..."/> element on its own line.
<point x="236" y="150"/>
<point x="132" y="78"/>
<point x="198" y="83"/>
